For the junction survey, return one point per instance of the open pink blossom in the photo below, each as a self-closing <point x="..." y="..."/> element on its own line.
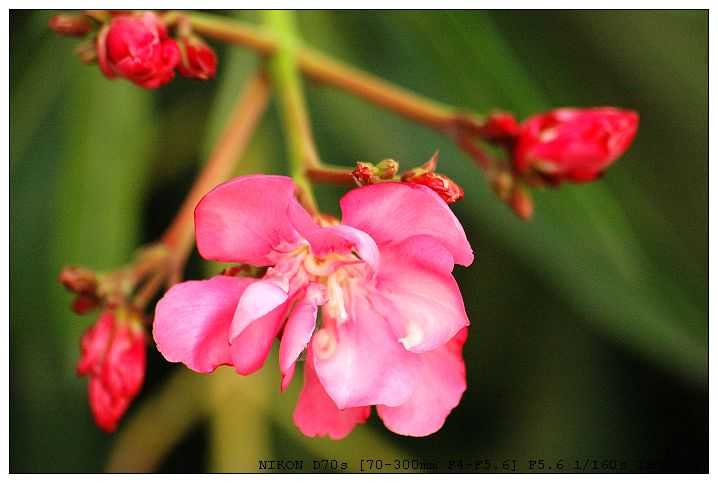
<point x="391" y="309"/>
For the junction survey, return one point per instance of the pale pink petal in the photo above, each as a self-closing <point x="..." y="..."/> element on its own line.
<point x="249" y="349"/>
<point x="298" y="330"/>
<point x="343" y="239"/>
<point x="245" y="220"/>
<point x="192" y="321"/>
<point x="441" y="385"/>
<point x="360" y="362"/>
<point x="317" y="415"/>
<point x="392" y="212"/>
<point x="418" y="295"/>
<point x="258" y="299"/>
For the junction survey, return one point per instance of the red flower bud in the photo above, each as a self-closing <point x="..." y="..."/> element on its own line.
<point x="574" y="144"/>
<point x="70" y="25"/>
<point x="439" y="183"/>
<point x="114" y="356"/>
<point x="365" y="174"/>
<point x="198" y="60"/>
<point x="137" y="48"/>
<point x="500" y="127"/>
<point x="84" y="304"/>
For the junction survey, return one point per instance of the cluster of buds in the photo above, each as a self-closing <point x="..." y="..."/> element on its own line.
<point x="563" y="145"/>
<point x="387" y="170"/>
<point x="84" y="284"/>
<point x="137" y="47"/>
<point x="113" y="349"/>
<point x="366" y="173"/>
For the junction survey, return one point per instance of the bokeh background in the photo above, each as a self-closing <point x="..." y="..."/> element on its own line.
<point x="589" y="323"/>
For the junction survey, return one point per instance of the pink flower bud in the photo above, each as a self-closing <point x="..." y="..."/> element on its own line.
<point x="198" y="60"/>
<point x="70" y="25"/>
<point x="574" y="144"/>
<point x="113" y="355"/>
<point x="439" y="183"/>
<point x="137" y="48"/>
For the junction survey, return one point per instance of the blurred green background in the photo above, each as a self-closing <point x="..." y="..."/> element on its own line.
<point x="589" y="323"/>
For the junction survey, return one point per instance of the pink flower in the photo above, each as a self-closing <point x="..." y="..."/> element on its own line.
<point x="113" y="355"/>
<point x="198" y="60"/>
<point x="391" y="309"/>
<point x="137" y="48"/>
<point x="574" y="144"/>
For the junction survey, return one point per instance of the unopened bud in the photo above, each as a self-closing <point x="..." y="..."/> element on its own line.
<point x="137" y="48"/>
<point x="387" y="169"/>
<point x="70" y="25"/>
<point x="503" y="184"/>
<point x="114" y="358"/>
<point x="198" y="60"/>
<point x="364" y="174"/>
<point x="521" y="203"/>
<point x="87" y="52"/>
<point x="440" y="184"/>
<point x="500" y="127"/>
<point x="78" y="280"/>
<point x="84" y="304"/>
<point x="367" y="173"/>
<point x="574" y="144"/>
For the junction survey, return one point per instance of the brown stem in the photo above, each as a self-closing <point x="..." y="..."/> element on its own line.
<point x="469" y="146"/>
<point x="249" y="107"/>
<point x="331" y="174"/>
<point x="322" y="68"/>
<point x="148" y="290"/>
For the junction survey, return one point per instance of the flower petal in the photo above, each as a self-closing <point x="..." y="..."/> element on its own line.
<point x="249" y="349"/>
<point x="192" y="321"/>
<point x="440" y="387"/>
<point x="317" y="415"/>
<point x="343" y="239"/>
<point x="298" y="330"/>
<point x="107" y="408"/>
<point x="360" y="362"/>
<point x="258" y="299"/>
<point x="94" y="342"/>
<point x="245" y="220"/>
<point x="392" y="212"/>
<point x="418" y="295"/>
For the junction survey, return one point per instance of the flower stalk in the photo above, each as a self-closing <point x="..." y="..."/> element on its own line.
<point x="241" y="125"/>
<point x="322" y="68"/>
<point x="284" y="73"/>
